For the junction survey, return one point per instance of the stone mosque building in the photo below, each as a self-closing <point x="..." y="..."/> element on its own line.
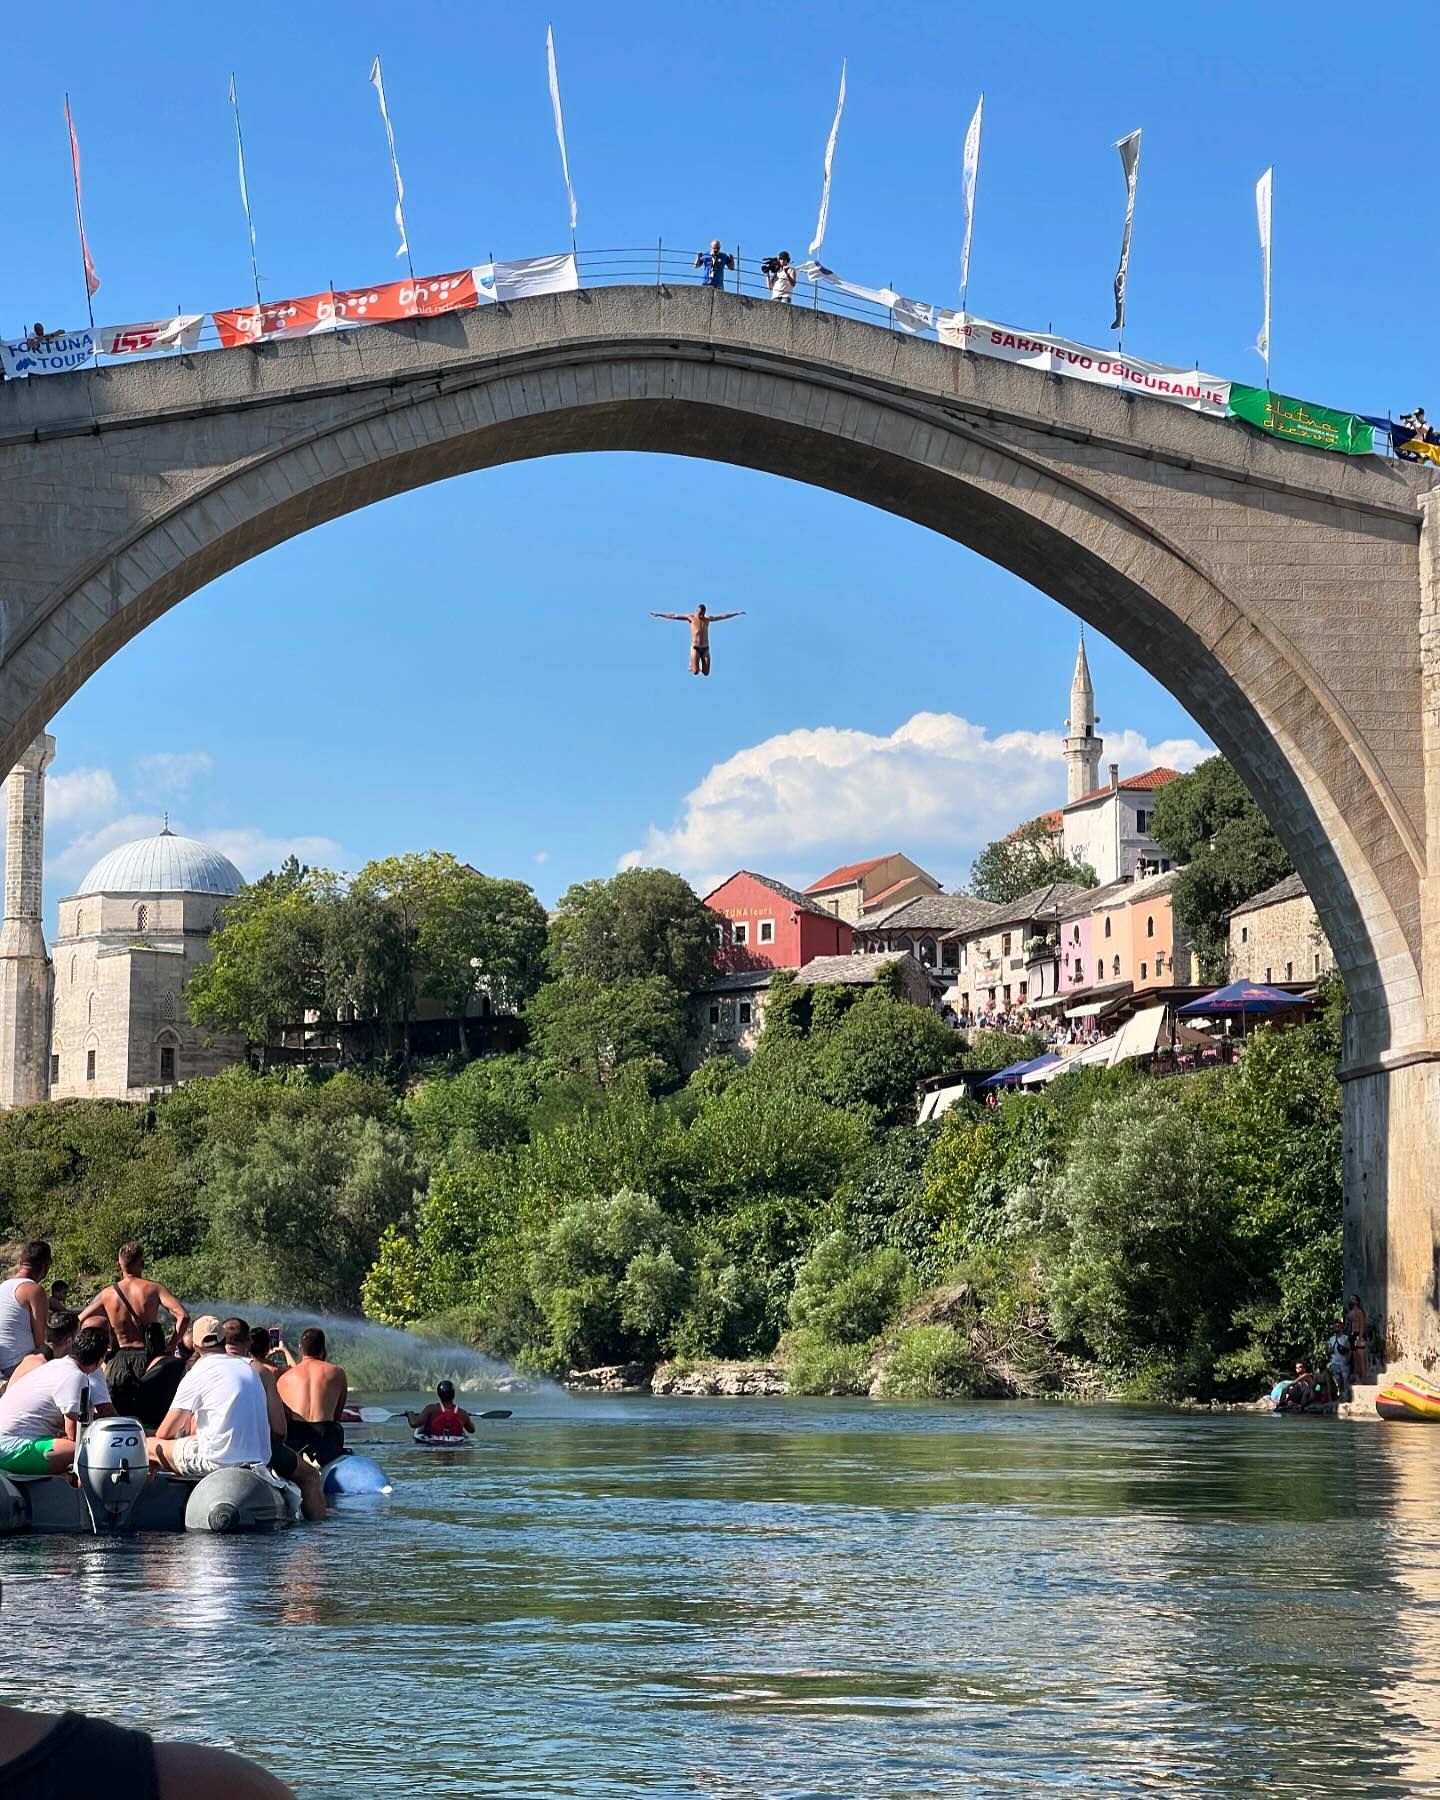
<point x="103" y="1018"/>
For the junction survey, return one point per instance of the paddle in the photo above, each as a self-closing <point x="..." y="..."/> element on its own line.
<point x="378" y="1415"/>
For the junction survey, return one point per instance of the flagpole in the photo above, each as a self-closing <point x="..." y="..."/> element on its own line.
<point x="245" y="190"/>
<point x="1129" y="148"/>
<point x="554" y="75"/>
<point x="1264" y="198"/>
<point x="970" y="180"/>
<point x="92" y="281"/>
<point x="377" y="81"/>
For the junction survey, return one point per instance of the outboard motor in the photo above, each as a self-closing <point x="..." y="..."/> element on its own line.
<point x="112" y="1468"/>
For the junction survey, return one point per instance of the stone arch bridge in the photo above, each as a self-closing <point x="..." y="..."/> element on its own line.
<point x="1290" y="599"/>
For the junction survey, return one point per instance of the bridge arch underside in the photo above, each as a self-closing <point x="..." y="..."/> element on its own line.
<point x="1030" y="508"/>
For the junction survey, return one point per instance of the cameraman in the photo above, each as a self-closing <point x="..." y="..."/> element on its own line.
<point x="779" y="276"/>
<point x="714" y="262"/>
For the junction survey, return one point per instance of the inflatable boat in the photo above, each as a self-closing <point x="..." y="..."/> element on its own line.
<point x="114" y="1490"/>
<point x="1411" y="1398"/>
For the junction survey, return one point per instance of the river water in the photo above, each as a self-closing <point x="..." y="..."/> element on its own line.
<point x="794" y="1599"/>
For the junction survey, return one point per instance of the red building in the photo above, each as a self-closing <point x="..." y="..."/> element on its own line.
<point x="770" y="926"/>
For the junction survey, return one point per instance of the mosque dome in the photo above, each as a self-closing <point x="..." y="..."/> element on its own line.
<point x="164" y="864"/>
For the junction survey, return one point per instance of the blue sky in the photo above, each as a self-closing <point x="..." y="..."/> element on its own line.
<point x="377" y="685"/>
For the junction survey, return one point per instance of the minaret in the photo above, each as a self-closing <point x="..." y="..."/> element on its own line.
<point x="24" y="966"/>
<point x="1082" y="748"/>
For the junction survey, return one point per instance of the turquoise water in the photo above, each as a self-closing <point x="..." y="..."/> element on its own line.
<point x="795" y="1599"/>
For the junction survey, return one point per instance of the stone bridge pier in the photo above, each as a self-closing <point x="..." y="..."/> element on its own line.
<point x="1288" y="598"/>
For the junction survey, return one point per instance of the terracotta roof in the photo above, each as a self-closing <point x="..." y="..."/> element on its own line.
<point x="1146" y="783"/>
<point x="1290" y="888"/>
<point x="842" y="877"/>
<point x="785" y="892"/>
<point x="859" y="971"/>
<point x="894" y="888"/>
<point x="1052" y="821"/>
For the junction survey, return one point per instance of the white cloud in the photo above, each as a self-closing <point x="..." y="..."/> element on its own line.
<point x="75" y="795"/>
<point x="253" y="852"/>
<point x="172" y="771"/>
<point x="542" y="856"/>
<point x="936" y="786"/>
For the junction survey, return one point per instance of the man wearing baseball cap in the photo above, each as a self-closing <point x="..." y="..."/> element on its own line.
<point x="219" y="1418"/>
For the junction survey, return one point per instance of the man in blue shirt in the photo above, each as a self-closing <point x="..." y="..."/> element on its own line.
<point x="714" y="262"/>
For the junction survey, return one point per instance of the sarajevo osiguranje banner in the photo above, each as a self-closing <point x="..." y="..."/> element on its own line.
<point x="335" y="309"/>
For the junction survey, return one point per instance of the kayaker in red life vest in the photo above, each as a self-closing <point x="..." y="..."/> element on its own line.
<point x="442" y="1419"/>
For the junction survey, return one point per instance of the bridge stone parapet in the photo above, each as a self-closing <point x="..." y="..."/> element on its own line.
<point x="1274" y="589"/>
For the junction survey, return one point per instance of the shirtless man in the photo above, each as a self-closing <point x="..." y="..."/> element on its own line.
<point x="284" y="1460"/>
<point x="24" y="1307"/>
<point x="315" y="1391"/>
<point x="131" y="1308"/>
<point x="699" y="622"/>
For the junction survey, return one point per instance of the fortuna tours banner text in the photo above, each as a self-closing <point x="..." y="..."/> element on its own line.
<point x="1301" y="421"/>
<point x="56" y="353"/>
<point x="313" y="314"/>
<point x="1108" y="368"/>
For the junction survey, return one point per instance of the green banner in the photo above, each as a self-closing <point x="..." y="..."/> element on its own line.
<point x="1298" y="420"/>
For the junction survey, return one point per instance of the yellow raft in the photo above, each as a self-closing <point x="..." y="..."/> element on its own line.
<point x="1410" y="1397"/>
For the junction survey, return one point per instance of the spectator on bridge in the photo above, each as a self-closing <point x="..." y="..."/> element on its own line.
<point x="714" y="262"/>
<point x="1419" y="424"/>
<point x="780" y="277"/>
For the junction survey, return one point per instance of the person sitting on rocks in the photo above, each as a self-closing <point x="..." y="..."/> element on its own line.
<point x="1301" y="1391"/>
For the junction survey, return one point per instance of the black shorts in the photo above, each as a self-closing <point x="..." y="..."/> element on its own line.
<point x="283" y="1459"/>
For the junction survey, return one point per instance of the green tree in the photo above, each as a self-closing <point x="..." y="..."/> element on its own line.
<point x="297" y="1214"/>
<point x="596" y="1029"/>
<point x="611" y="1279"/>
<point x="266" y="965"/>
<point x="368" y="963"/>
<point x="487" y="1106"/>
<point x="880" y="1052"/>
<point x="846" y="1295"/>
<point x="467" y="932"/>
<point x="638" y="924"/>
<point x="1207" y="822"/>
<point x="1028" y="859"/>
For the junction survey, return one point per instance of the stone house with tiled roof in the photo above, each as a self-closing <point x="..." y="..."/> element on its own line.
<point x="998" y="965"/>
<point x="928" y="928"/>
<point x="1277" y="936"/>
<point x="860" y="890"/>
<point x="1109" y="827"/>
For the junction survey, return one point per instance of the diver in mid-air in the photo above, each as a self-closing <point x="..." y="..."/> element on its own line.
<point x="699" y="622"/>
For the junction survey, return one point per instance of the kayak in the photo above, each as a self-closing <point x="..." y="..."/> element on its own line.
<point x="1410" y="1398"/>
<point x="443" y="1443"/>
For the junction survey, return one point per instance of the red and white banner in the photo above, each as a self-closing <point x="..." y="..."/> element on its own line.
<point x="314" y="314"/>
<point x="276" y="319"/>
<point x="422" y="298"/>
<point x="1108" y="368"/>
<point x="180" y="333"/>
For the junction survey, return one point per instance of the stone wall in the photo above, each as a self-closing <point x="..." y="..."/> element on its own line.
<point x="1282" y="942"/>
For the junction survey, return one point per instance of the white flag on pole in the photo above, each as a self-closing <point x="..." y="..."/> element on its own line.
<point x="971" y="173"/>
<point x="245" y="188"/>
<point x="1129" y="148"/>
<point x="559" y="122"/>
<point x="377" y="81"/>
<point x="1263" y="194"/>
<point x="824" y="218"/>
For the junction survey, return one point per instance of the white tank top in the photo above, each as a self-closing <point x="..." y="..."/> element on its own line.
<point x="17" y="1339"/>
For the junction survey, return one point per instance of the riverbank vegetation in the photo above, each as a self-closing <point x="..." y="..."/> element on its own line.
<point x="1113" y="1232"/>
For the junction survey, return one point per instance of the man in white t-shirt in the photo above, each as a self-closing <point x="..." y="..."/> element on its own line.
<point x="40" y="1413"/>
<point x="219" y="1418"/>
